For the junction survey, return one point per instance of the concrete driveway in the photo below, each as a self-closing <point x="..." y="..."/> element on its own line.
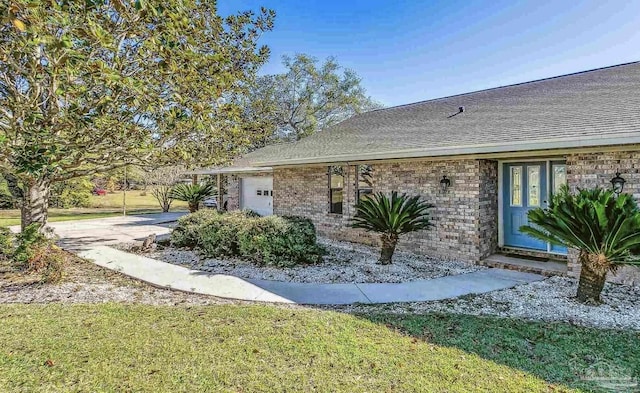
<point x="85" y="234"/>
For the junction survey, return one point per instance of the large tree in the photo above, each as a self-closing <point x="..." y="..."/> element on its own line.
<point x="89" y="86"/>
<point x="308" y="97"/>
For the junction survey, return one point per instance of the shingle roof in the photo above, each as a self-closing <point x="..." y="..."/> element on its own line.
<point x="590" y="108"/>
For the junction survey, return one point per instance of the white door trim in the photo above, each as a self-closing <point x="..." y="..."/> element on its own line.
<point x="548" y="161"/>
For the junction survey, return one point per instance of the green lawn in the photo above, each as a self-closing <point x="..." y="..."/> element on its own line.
<point x="557" y="352"/>
<point x="136" y="199"/>
<point x="109" y="347"/>
<point x="109" y="205"/>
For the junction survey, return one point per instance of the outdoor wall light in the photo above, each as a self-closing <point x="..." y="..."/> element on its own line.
<point x="445" y="183"/>
<point x="618" y="183"/>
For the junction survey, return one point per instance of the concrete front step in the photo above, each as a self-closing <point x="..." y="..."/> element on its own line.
<point x="545" y="268"/>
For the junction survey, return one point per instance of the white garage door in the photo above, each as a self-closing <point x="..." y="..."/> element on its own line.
<point x="257" y="194"/>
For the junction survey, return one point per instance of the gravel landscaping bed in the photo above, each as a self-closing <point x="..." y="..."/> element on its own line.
<point x="85" y="282"/>
<point x="548" y="300"/>
<point x="344" y="263"/>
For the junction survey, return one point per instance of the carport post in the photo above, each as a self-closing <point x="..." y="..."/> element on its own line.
<point x="220" y="202"/>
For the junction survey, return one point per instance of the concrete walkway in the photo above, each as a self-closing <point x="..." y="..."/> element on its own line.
<point x="91" y="238"/>
<point x="167" y="275"/>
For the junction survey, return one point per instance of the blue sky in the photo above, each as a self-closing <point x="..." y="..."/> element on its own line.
<point x="408" y="51"/>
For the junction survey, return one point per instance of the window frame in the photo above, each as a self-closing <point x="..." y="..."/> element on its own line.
<point x="357" y="182"/>
<point x="331" y="189"/>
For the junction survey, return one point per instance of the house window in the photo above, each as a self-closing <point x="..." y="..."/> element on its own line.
<point x="364" y="185"/>
<point x="336" y="189"/>
<point x="516" y="186"/>
<point x="533" y="181"/>
<point x="559" y="177"/>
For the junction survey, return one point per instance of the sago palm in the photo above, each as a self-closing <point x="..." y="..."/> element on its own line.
<point x="193" y="194"/>
<point x="391" y="217"/>
<point x="603" y="227"/>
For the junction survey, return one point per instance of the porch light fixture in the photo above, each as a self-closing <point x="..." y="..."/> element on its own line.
<point x="445" y="183"/>
<point x="618" y="183"/>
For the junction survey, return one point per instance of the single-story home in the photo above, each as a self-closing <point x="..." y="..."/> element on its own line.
<point x="484" y="159"/>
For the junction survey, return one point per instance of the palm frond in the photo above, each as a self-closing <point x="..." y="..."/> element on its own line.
<point x="594" y="220"/>
<point x="396" y="215"/>
<point x="192" y="193"/>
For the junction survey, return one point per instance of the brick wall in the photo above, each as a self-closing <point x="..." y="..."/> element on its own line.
<point x="488" y="208"/>
<point x="233" y="192"/>
<point x="597" y="169"/>
<point x="465" y="217"/>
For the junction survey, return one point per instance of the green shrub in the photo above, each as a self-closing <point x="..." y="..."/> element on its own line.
<point x="219" y="237"/>
<point x="34" y="252"/>
<point x="187" y="232"/>
<point x="27" y="241"/>
<point x="273" y="241"/>
<point x="279" y="241"/>
<point x="250" y="213"/>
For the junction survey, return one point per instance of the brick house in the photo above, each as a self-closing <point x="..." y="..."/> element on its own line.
<point x="503" y="151"/>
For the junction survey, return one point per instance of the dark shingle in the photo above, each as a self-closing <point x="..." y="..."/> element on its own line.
<point x="572" y="108"/>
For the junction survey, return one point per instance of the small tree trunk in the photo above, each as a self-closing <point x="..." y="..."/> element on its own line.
<point x="593" y="275"/>
<point x="389" y="243"/>
<point x="163" y="196"/>
<point x="35" y="203"/>
<point x="193" y="207"/>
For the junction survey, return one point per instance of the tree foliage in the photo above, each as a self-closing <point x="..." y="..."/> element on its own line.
<point x="88" y="86"/>
<point x="605" y="228"/>
<point x="71" y="193"/>
<point x="308" y="97"/>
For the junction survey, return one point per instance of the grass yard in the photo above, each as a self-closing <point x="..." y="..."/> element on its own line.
<point x="135" y="200"/>
<point x="109" y="205"/>
<point x="110" y="347"/>
<point x="557" y="352"/>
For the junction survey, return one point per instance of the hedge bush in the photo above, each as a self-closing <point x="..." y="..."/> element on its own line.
<point x="266" y="241"/>
<point x="187" y="232"/>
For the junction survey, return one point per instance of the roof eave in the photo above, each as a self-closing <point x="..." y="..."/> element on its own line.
<point x="227" y="170"/>
<point x="560" y="143"/>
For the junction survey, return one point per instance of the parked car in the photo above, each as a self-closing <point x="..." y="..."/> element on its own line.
<point x="210" y="202"/>
<point x="99" y="191"/>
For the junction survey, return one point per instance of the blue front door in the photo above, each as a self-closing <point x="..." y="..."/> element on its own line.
<point x="524" y="189"/>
